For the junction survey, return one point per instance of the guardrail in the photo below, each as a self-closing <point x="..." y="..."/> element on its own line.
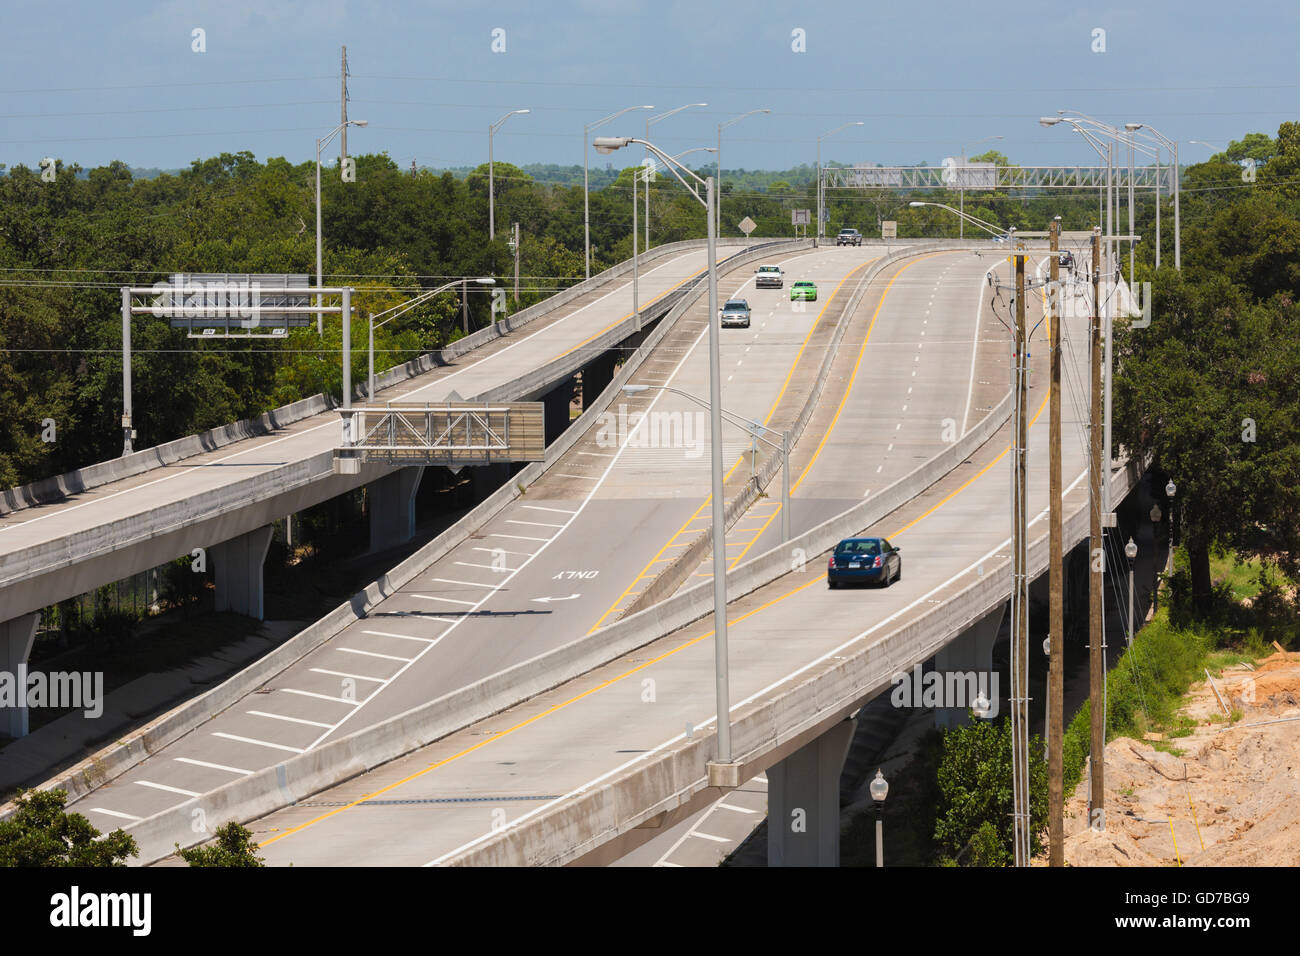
<point x="111" y="763"/>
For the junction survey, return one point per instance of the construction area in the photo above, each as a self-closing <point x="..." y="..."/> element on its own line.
<point x="1227" y="794"/>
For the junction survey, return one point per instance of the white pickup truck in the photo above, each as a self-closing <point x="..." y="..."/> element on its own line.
<point x="769" y="277"/>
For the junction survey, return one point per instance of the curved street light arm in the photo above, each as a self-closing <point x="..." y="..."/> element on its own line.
<point x="987" y="227"/>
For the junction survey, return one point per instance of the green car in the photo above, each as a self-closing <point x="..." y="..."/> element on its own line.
<point x="803" y="290"/>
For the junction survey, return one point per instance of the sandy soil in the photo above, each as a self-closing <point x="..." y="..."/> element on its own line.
<point x="1231" y="799"/>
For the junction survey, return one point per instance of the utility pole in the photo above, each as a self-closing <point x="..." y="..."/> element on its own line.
<point x="1096" y="564"/>
<point x="1056" y="634"/>
<point x="343" y="108"/>
<point x="516" y="264"/>
<point x="1020" y="585"/>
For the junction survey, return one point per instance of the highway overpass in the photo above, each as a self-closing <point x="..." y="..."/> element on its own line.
<point x="222" y="490"/>
<point x="616" y="510"/>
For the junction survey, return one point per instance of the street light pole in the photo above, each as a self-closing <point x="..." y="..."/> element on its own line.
<point x="986" y="226"/>
<point x="961" y="184"/>
<point x="821" y="192"/>
<point x="1096" y="661"/>
<point x="1172" y="146"/>
<point x="492" y="194"/>
<point x="879" y="790"/>
<point x="650" y="121"/>
<point x="1130" y="552"/>
<point x="607" y="144"/>
<point x="586" y="182"/>
<point x="719" y="529"/>
<point x="402" y="308"/>
<point x="320" y="145"/>
<point x="1170" y="490"/>
<point x="717" y="186"/>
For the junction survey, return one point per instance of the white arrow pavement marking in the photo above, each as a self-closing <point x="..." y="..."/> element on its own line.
<point x="545" y="600"/>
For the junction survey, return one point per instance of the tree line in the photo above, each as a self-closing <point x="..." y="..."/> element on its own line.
<point x="1209" y="390"/>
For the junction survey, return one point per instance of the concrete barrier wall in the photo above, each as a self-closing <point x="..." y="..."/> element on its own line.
<point x="61" y="486"/>
<point x="110" y="764"/>
<point x="92" y="476"/>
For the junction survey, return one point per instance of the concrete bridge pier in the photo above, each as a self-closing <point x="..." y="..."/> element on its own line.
<point x="556" y="409"/>
<point x="596" y="378"/>
<point x="803" y="801"/>
<point x="391" y="504"/>
<point x="970" y="653"/>
<point x="237" y="567"/>
<point x="16" y="638"/>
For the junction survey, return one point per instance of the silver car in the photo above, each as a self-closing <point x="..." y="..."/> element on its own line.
<point x="735" y="312"/>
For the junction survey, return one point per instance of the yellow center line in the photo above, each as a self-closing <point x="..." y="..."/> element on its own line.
<point x="528" y="721"/>
<point x="709" y="500"/>
<point x="852" y="379"/>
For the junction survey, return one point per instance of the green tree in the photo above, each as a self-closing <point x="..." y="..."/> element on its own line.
<point x="975" y="794"/>
<point x="41" y="833"/>
<point x="232" y="846"/>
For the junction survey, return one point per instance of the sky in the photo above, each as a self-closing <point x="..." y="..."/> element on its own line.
<point x="90" y="82"/>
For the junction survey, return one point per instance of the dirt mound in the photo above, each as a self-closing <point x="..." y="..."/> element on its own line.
<point x="1230" y="797"/>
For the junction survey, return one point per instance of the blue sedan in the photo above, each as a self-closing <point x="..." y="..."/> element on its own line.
<point x="873" y="560"/>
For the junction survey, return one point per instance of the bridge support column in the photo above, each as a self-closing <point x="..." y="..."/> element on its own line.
<point x="596" y="378"/>
<point x="16" y="638"/>
<point x="970" y="653"/>
<point x="238" y="571"/>
<point x="803" y="801"/>
<point x="391" y="503"/>
<point x="556" y="411"/>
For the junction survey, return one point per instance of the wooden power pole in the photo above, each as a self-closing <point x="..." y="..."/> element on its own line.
<point x="1096" y="564"/>
<point x="1020" y="585"/>
<point x="1056" y="634"/>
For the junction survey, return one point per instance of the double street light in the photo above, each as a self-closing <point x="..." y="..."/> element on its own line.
<point x="586" y="184"/>
<point x="966" y="217"/>
<point x="404" y="307"/>
<point x="650" y="121"/>
<point x="821" y="192"/>
<point x="1172" y="146"/>
<point x="608" y="144"/>
<point x="320" y="145"/>
<point x="492" y="219"/>
<point x="717" y="186"/>
<point x="1091" y="130"/>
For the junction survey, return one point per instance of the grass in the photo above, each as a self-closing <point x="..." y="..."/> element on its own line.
<point x="1240" y="575"/>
